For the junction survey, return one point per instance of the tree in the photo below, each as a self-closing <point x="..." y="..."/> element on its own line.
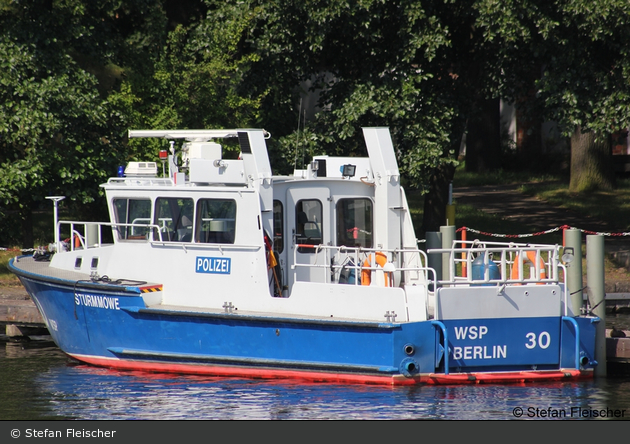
<point x="587" y="85"/>
<point x="591" y="163"/>
<point x="581" y="53"/>
<point x="401" y="64"/>
<point x="58" y="133"/>
<point x="76" y="76"/>
<point x="195" y="80"/>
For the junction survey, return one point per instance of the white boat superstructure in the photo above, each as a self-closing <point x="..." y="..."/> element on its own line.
<point x="323" y="223"/>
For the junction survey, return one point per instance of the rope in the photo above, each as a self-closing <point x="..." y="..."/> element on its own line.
<point x="540" y="233"/>
<point x="23" y="250"/>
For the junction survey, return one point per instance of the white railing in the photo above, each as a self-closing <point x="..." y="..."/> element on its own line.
<point x="144" y="181"/>
<point x="83" y="235"/>
<point x="476" y="263"/>
<point x="402" y="266"/>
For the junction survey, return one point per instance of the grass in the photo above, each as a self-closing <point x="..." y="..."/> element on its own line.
<point x="8" y="279"/>
<point x="468" y="216"/>
<point x="464" y="178"/>
<point x="44" y="235"/>
<point x="612" y="207"/>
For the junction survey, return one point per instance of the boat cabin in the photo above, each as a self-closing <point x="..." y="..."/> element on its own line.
<point x="335" y="238"/>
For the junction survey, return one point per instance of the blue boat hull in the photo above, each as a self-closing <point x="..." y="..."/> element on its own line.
<point x="110" y="326"/>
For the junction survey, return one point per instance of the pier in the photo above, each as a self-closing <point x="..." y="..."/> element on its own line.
<point x="18" y="314"/>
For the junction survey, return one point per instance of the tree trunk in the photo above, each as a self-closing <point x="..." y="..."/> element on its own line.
<point x="27" y="227"/>
<point x="436" y="199"/>
<point x="591" y="163"/>
<point x="483" y="138"/>
<point x="528" y="139"/>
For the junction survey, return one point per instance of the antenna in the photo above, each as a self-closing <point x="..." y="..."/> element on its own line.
<point x="56" y="200"/>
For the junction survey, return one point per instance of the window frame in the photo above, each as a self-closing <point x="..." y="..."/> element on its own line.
<point x="222" y="238"/>
<point x="179" y="230"/>
<point x="125" y="233"/>
<point x="341" y="231"/>
<point x="301" y="234"/>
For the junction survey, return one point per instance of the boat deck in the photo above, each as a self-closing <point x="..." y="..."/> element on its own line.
<point x="41" y="268"/>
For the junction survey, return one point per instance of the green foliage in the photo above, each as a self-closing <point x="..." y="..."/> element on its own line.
<point x="57" y="134"/>
<point x="194" y="82"/>
<point x="575" y="52"/>
<point x="77" y="75"/>
<point x="372" y="63"/>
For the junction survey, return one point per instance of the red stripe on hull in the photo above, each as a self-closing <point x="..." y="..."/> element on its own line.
<point x="315" y="376"/>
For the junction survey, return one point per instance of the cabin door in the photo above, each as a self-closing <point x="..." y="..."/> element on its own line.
<point x="309" y="225"/>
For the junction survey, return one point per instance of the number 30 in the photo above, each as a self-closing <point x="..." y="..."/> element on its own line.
<point x="544" y="339"/>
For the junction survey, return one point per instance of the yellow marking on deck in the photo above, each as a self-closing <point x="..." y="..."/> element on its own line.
<point x="151" y="288"/>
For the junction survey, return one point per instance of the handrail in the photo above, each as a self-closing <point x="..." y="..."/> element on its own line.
<point x="153" y="229"/>
<point x="445" y="333"/>
<point x="577" y="339"/>
<point x="135" y="181"/>
<point x="204" y="245"/>
<point x="355" y="253"/>
<point x="566" y="289"/>
<point x="509" y="256"/>
<point x="82" y="236"/>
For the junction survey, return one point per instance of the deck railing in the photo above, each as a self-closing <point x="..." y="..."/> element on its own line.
<point x="496" y="263"/>
<point x="83" y="235"/>
<point x="401" y="265"/>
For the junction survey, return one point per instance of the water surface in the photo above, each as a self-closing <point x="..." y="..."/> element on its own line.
<point x="37" y="381"/>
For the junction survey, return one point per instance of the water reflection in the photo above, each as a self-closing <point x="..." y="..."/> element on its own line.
<point x="86" y="393"/>
<point x="39" y="382"/>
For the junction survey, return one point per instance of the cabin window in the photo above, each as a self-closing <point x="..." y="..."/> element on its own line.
<point x="308" y="216"/>
<point x="174" y="217"/>
<point x="216" y="221"/>
<point x="137" y="213"/>
<point x="354" y="223"/>
<point x="278" y="226"/>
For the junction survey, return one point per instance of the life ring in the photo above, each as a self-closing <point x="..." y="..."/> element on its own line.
<point x="366" y="273"/>
<point x="530" y="256"/>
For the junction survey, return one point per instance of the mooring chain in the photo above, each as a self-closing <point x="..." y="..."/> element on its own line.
<point x="540" y="233"/>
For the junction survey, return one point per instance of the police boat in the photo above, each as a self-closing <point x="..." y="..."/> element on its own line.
<point x="218" y="267"/>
